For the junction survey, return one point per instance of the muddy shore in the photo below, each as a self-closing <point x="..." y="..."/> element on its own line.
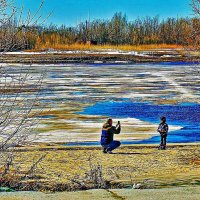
<point x="58" y="58"/>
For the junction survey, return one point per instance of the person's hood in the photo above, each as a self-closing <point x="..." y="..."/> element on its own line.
<point x="106" y="125"/>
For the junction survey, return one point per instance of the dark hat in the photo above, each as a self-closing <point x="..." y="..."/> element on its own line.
<point x="163" y="118"/>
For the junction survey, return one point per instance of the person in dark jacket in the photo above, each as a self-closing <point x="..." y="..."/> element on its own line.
<point x="163" y="130"/>
<point x="107" y="137"/>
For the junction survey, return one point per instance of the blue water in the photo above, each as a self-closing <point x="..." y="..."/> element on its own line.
<point x="189" y="63"/>
<point x="157" y="64"/>
<point x="47" y="117"/>
<point x="186" y="115"/>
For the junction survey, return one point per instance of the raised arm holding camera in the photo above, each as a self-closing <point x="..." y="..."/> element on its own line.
<point x="107" y="137"/>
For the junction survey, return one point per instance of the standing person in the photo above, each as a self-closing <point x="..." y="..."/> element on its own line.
<point x="107" y="137"/>
<point x="163" y="130"/>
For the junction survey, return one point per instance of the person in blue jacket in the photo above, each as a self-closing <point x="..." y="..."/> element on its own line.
<point x="107" y="137"/>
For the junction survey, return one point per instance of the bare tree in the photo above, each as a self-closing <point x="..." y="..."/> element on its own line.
<point x="19" y="88"/>
<point x="10" y="34"/>
<point x="195" y="36"/>
<point x="7" y="10"/>
<point x="196" y="7"/>
<point x="196" y="24"/>
<point x="16" y="32"/>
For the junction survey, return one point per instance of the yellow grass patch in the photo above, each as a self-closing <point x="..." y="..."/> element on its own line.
<point x="133" y="164"/>
<point x="107" y="47"/>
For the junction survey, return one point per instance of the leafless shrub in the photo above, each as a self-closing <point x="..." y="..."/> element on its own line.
<point x="93" y="179"/>
<point x="95" y="175"/>
<point x="19" y="95"/>
<point x="17" y="32"/>
<point x="13" y="176"/>
<point x="34" y="166"/>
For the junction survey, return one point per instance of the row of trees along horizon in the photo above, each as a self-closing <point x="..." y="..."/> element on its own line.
<point x="117" y="31"/>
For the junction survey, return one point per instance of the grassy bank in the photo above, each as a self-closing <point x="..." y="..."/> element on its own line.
<point x="83" y="53"/>
<point x="65" y="168"/>
<point x="82" y="47"/>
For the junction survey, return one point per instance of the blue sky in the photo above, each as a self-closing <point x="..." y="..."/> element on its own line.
<point x="69" y="12"/>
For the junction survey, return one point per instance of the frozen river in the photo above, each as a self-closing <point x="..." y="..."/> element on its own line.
<point x="79" y="98"/>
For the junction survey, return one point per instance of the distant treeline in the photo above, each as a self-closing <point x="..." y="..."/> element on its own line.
<point x="117" y="31"/>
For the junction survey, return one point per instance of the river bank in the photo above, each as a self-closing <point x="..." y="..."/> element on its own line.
<point x="69" y="168"/>
<point x="106" y="56"/>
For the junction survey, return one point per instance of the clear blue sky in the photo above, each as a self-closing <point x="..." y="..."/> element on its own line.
<point x="70" y="11"/>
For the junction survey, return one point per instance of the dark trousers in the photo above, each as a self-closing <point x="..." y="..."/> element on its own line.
<point x="112" y="145"/>
<point x="163" y="140"/>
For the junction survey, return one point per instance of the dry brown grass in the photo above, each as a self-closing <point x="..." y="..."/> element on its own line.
<point x="83" y="47"/>
<point x="134" y="164"/>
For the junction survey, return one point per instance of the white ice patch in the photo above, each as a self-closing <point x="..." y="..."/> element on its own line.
<point x="76" y="135"/>
<point x="111" y="52"/>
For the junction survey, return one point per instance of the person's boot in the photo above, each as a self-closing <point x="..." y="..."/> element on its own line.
<point x="163" y="147"/>
<point x="105" y="150"/>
